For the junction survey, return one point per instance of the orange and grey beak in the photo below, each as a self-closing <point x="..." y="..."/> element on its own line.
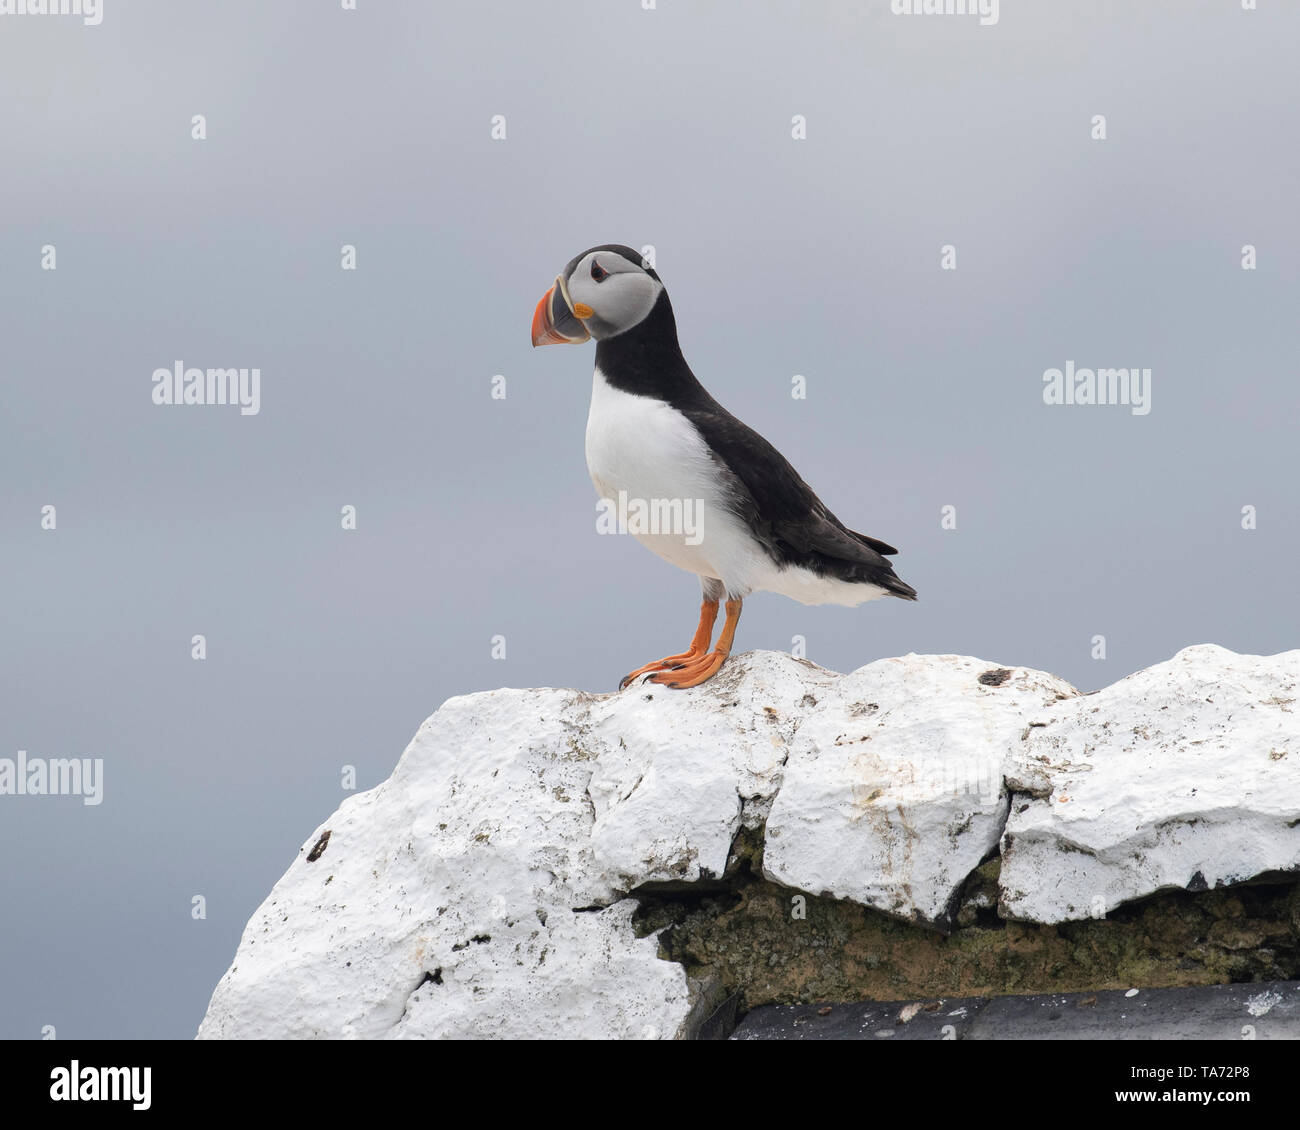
<point x="555" y="321"/>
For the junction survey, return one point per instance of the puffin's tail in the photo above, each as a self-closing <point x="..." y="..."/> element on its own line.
<point x="886" y="578"/>
<point x="896" y="586"/>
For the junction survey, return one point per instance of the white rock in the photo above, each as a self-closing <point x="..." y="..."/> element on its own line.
<point x="893" y="792"/>
<point x="510" y="811"/>
<point x="483" y="889"/>
<point x="1186" y="774"/>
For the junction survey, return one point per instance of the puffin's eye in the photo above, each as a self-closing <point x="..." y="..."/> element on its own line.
<point x="598" y="272"/>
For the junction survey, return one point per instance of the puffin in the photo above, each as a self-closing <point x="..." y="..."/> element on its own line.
<point x="656" y="436"/>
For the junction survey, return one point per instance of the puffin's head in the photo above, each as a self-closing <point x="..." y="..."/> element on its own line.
<point x="600" y="293"/>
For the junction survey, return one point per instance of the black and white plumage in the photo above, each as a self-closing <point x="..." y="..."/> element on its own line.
<point x="654" y="432"/>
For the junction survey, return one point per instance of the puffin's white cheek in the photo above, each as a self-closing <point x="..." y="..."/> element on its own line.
<point x="629" y="302"/>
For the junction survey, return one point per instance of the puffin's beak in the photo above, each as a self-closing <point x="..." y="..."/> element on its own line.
<point x="554" y="322"/>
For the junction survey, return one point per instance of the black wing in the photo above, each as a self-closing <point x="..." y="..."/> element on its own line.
<point x="793" y="524"/>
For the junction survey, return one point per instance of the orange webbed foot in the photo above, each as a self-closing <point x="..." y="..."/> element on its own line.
<point x="699" y="646"/>
<point x="699" y="664"/>
<point x="692" y="674"/>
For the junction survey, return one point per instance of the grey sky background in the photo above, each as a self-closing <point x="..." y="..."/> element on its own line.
<point x="476" y="516"/>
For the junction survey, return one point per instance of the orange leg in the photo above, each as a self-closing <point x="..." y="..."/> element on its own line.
<point x="700" y="670"/>
<point x="699" y="645"/>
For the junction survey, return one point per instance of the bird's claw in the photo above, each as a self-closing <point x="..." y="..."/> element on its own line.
<point x="671" y="663"/>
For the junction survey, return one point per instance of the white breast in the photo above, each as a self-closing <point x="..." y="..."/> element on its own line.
<point x="648" y="450"/>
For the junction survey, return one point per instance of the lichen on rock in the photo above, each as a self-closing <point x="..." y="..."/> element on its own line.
<point x="771" y="945"/>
